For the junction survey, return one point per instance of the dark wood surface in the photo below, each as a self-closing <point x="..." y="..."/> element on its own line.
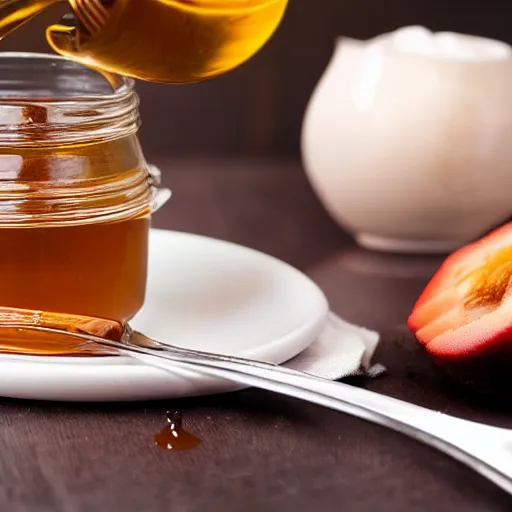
<point x="259" y="451"/>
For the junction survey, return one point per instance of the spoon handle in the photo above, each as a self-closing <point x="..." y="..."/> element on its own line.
<point x="485" y="449"/>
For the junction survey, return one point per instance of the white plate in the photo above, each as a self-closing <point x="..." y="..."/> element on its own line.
<point x="202" y="294"/>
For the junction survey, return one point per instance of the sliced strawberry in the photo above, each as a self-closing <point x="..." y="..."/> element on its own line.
<point x="464" y="316"/>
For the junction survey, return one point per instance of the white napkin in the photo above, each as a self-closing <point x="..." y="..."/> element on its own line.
<point x="342" y="350"/>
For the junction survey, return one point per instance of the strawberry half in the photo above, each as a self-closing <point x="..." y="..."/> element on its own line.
<point x="463" y="318"/>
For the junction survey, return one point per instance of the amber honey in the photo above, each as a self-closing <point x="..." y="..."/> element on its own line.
<point x="97" y="271"/>
<point x="174" y="437"/>
<point x="75" y="192"/>
<point x="75" y="207"/>
<point x="82" y="266"/>
<point x="14" y="13"/>
<point x="173" y="41"/>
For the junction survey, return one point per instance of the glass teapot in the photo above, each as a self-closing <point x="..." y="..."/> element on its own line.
<point x="171" y="41"/>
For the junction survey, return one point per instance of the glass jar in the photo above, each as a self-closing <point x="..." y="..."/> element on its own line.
<point x="76" y="197"/>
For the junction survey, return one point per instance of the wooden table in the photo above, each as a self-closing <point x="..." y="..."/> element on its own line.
<point x="260" y="452"/>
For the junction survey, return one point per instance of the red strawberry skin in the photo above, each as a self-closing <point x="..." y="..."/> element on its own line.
<point x="463" y="318"/>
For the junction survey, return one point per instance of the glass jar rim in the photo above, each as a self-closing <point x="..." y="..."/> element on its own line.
<point x="118" y="82"/>
<point x="79" y="104"/>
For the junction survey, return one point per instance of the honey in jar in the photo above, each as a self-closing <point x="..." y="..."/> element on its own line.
<point x="75" y="191"/>
<point x="75" y="202"/>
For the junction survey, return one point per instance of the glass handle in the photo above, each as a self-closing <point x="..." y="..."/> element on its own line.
<point x="160" y="195"/>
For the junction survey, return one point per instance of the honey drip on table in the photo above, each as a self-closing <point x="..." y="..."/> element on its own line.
<point x="173" y="436"/>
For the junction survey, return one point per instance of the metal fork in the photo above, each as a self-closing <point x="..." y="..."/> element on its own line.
<point x="485" y="449"/>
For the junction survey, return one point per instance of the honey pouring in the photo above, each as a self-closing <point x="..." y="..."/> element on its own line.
<point x="170" y="41"/>
<point x="74" y="179"/>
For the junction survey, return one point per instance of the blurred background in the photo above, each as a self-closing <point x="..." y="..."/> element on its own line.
<point x="257" y="110"/>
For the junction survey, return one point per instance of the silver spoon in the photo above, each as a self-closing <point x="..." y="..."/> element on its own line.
<point x="486" y="449"/>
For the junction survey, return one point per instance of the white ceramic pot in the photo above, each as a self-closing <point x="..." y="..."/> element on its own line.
<point x="407" y="139"/>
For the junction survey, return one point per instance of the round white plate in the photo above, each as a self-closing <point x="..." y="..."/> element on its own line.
<point x="203" y="294"/>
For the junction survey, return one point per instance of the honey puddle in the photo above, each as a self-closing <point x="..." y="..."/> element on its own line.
<point x="173" y="436"/>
